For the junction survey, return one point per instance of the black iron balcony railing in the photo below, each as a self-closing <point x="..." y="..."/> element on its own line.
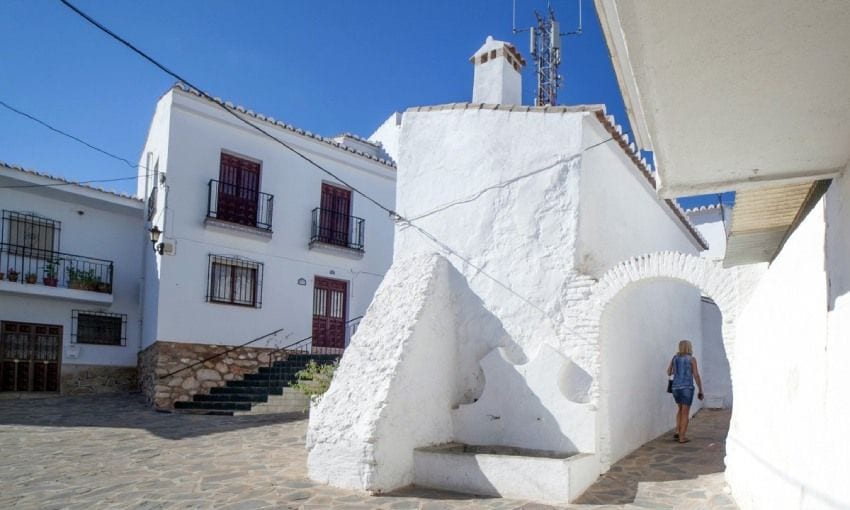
<point x="331" y="227"/>
<point x="241" y="205"/>
<point x="32" y="266"/>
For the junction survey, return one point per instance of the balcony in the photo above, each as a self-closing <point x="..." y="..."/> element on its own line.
<point x="338" y="232"/>
<point x="54" y="274"/>
<point x="239" y="208"/>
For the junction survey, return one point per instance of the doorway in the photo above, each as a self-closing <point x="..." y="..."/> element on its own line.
<point x="330" y="301"/>
<point x="29" y="356"/>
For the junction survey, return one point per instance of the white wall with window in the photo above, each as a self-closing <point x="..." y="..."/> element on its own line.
<point x="71" y="263"/>
<point x="249" y="227"/>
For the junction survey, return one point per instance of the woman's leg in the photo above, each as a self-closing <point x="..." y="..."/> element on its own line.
<point x="684" y="412"/>
<point x="679" y="422"/>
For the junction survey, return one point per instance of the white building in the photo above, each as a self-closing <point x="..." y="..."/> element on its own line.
<point x="254" y="237"/>
<point x="481" y="333"/>
<point x="75" y="324"/>
<point x="753" y="97"/>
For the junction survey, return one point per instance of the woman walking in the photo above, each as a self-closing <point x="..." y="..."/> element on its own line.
<point x="683" y="368"/>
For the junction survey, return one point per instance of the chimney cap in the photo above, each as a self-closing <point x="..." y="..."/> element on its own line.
<point x="491" y="44"/>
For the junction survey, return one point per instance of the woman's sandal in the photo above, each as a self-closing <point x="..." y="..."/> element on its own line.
<point x="683" y="441"/>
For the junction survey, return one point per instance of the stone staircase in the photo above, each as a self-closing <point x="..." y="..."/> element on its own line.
<point x="264" y="392"/>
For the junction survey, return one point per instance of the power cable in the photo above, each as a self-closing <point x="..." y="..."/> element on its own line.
<point x="218" y="102"/>
<point x="393" y="214"/>
<point x="63" y="133"/>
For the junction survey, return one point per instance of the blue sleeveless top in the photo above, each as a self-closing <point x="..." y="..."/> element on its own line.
<point x="683" y="376"/>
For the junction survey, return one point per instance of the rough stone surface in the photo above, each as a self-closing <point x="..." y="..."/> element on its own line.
<point x="112" y="451"/>
<point x="163" y="358"/>
<point x="91" y="379"/>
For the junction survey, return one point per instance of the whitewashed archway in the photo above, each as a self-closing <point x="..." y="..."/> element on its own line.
<point x="708" y="276"/>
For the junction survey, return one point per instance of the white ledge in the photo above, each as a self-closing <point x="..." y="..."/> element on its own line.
<point x="44" y="291"/>
<point x="237" y="229"/>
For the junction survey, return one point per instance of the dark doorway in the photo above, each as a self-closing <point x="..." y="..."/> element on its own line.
<point x="238" y="191"/>
<point x="335" y="215"/>
<point x="29" y="356"/>
<point x="330" y="300"/>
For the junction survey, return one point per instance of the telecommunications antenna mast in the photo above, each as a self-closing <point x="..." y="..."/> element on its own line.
<point x="545" y="48"/>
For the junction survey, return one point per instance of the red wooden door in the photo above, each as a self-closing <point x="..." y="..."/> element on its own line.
<point x="330" y="300"/>
<point x="238" y="190"/>
<point x="335" y="215"/>
<point x="29" y="356"/>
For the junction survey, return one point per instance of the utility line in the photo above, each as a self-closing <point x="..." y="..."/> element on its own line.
<point x="393" y="214"/>
<point x="63" y="133"/>
<point x="203" y="94"/>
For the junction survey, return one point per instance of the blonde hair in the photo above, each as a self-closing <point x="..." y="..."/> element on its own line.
<point x="685" y="347"/>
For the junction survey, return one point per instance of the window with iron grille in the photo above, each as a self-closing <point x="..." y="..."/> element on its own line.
<point x="30" y="235"/>
<point x="235" y="281"/>
<point x="99" y="328"/>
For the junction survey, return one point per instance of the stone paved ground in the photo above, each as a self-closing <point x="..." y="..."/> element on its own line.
<point x="112" y="452"/>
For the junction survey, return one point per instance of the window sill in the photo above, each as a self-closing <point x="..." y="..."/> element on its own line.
<point x="246" y="231"/>
<point x="336" y="249"/>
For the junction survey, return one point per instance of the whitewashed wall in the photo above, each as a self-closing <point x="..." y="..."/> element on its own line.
<point x="109" y="228"/>
<point x="711" y="222"/>
<point x="198" y="133"/>
<point x="500" y="190"/>
<point x="787" y="446"/>
<point x="714" y="365"/>
<point x="641" y="329"/>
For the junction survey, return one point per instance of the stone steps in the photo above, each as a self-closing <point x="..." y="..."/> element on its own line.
<point x="266" y="391"/>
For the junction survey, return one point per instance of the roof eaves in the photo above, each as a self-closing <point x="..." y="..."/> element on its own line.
<point x="272" y="121"/>
<point x="62" y="180"/>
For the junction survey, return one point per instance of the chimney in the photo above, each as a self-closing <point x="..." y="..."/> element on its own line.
<point x="497" y="73"/>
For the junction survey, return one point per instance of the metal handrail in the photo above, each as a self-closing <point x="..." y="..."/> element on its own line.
<point x="249" y="342"/>
<point x="61" y="269"/>
<point x="273" y="355"/>
<point x="263" y="203"/>
<point x="336" y="228"/>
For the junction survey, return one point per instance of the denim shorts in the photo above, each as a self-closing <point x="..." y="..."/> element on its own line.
<point x="684" y="396"/>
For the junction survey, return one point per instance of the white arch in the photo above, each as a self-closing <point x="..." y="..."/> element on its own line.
<point x="708" y="276"/>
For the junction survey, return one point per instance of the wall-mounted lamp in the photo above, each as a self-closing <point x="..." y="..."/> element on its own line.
<point x="155" y="233"/>
<point x="302" y="281"/>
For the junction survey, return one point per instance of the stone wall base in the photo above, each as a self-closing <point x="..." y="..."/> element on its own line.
<point x="93" y="379"/>
<point x="163" y="358"/>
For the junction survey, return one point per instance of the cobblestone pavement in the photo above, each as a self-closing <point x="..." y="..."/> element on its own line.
<point x="113" y="452"/>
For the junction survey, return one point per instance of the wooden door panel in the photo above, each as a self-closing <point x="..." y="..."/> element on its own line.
<point x="335" y="214"/>
<point x="330" y="299"/>
<point x="239" y="190"/>
<point x="29" y="356"/>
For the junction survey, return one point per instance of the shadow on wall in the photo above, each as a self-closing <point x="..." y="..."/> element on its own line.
<point x="539" y="406"/>
<point x="126" y="411"/>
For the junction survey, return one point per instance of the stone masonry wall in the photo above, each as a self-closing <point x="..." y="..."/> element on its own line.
<point x="163" y="358"/>
<point x="92" y="379"/>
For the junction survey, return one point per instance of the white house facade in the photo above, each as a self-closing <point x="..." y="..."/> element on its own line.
<point x="71" y="266"/>
<point x="254" y="239"/>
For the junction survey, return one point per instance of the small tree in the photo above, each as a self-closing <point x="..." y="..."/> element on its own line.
<point x="315" y="379"/>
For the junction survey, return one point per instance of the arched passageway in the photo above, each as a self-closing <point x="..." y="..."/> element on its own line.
<point x="647" y="270"/>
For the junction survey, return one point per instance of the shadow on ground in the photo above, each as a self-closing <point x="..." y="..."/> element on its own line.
<point x="664" y="460"/>
<point x="126" y="411"/>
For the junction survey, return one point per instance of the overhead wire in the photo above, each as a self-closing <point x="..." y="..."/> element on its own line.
<point x="395" y="216"/>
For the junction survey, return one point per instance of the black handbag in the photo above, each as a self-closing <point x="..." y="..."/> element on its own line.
<point x="669" y="385"/>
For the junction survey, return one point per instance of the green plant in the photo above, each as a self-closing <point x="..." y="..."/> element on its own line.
<point x="51" y="268"/>
<point x="315" y="379"/>
<point x="82" y="279"/>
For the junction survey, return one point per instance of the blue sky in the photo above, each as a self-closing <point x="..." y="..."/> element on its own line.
<point x="329" y="67"/>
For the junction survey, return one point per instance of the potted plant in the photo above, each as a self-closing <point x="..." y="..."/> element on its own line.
<point x="79" y="279"/>
<point x="12" y="274"/>
<point x="103" y="287"/>
<point x="51" y="271"/>
<point x="30" y="278"/>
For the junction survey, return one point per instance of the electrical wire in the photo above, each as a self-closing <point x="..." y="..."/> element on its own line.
<point x="63" y="133"/>
<point x="203" y="94"/>
<point x="396" y="217"/>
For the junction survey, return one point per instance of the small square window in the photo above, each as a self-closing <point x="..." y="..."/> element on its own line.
<point x="99" y="328"/>
<point x="234" y="281"/>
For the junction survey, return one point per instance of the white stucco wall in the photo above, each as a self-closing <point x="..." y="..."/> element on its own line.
<point x="621" y="216"/>
<point x="500" y="192"/>
<point x="786" y="447"/>
<point x="714" y="365"/>
<point x="93" y="224"/>
<point x="495" y="81"/>
<point x="388" y="134"/>
<point x="414" y="357"/>
<point x="641" y="328"/>
<point x="712" y="222"/>
<point x="198" y="133"/>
